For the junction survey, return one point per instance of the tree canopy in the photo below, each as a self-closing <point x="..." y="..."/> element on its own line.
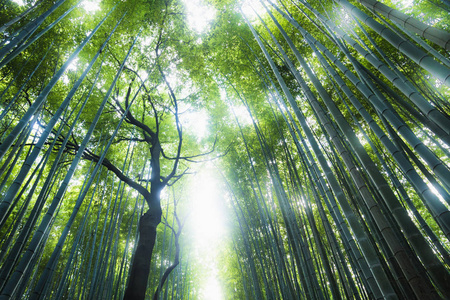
<point x="307" y="141"/>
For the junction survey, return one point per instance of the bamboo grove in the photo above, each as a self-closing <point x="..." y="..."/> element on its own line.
<point x="329" y="125"/>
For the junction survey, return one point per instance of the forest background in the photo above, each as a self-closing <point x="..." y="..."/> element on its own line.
<point x="155" y="149"/>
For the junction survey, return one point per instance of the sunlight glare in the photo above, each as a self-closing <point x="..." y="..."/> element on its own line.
<point x="207" y="227"/>
<point x="196" y="121"/>
<point x="435" y="191"/>
<point x="252" y="8"/>
<point x="199" y="15"/>
<point x="212" y="289"/>
<point x="242" y="115"/>
<point x="143" y="74"/>
<point x="404" y="3"/>
<point x="19" y="2"/>
<point x="73" y="65"/>
<point x="65" y="79"/>
<point x="91" y="6"/>
<point x="238" y="110"/>
<point x="207" y="218"/>
<point x="147" y="41"/>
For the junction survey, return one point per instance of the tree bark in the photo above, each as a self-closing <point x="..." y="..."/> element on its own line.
<point x="140" y="268"/>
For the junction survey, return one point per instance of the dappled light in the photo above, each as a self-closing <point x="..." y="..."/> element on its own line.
<point x="196" y="122"/>
<point x="207" y="227"/>
<point x="212" y="290"/>
<point x="207" y="222"/>
<point x="252" y="8"/>
<point x="91" y="6"/>
<point x="199" y="15"/>
<point x="226" y="149"/>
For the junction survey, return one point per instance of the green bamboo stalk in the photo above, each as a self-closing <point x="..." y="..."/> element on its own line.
<point x="37" y="148"/>
<point x="20" y="16"/>
<point x="422" y="188"/>
<point x="364" y="268"/>
<point x="410" y="50"/>
<point x="24" y="263"/>
<point x="45" y="190"/>
<point x="99" y="248"/>
<point x="43" y="95"/>
<point x="44" y="279"/>
<point x="23" y="47"/>
<point x="16" y="96"/>
<point x="369" y="253"/>
<point x="435" y="35"/>
<point x="28" y="29"/>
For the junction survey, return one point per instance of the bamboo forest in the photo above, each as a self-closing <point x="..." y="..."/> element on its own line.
<point x="224" y="149"/>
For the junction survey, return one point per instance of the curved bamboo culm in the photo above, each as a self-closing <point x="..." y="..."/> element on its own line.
<point x="255" y="178"/>
<point x="345" y="72"/>
<point x="419" y="41"/>
<point x="281" y="134"/>
<point x="409" y="49"/>
<point x="287" y="209"/>
<point x="296" y="232"/>
<point x="436" y="164"/>
<point x="374" y="97"/>
<point x="435" y="35"/>
<point x="24" y="46"/>
<point x="438" y="275"/>
<point x="428" y="109"/>
<point x="317" y="238"/>
<point x="27" y="30"/>
<point x="429" y="123"/>
<point x="24" y="263"/>
<point x="265" y="215"/>
<point x="330" y="201"/>
<point x="46" y="91"/>
<point x="390" y="173"/>
<point x="329" y="198"/>
<point x="19" y="17"/>
<point x="297" y="242"/>
<point x="374" y="209"/>
<point x="369" y="254"/>
<point x="251" y="264"/>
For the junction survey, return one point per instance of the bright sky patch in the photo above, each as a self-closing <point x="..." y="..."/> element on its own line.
<point x="242" y="115"/>
<point x="20" y="2"/>
<point x="212" y="289"/>
<point x="91" y="6"/>
<point x="207" y="218"/>
<point x="207" y="227"/>
<point x="199" y="15"/>
<point x="252" y="8"/>
<point x="196" y="122"/>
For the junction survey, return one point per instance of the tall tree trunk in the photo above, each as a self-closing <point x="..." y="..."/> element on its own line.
<point x="140" y="266"/>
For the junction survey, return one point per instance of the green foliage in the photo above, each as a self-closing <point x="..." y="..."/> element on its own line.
<point x="290" y="236"/>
